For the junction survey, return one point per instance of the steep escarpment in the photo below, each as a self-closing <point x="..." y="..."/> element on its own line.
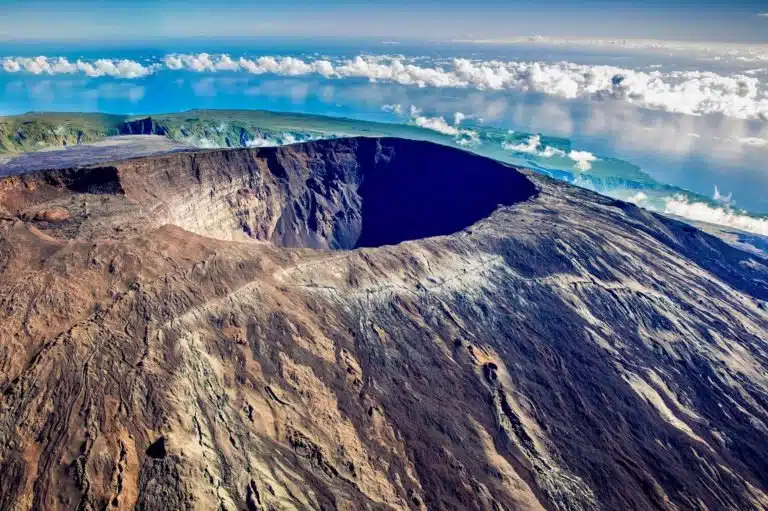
<point x="531" y="346"/>
<point x="46" y="131"/>
<point x="197" y="130"/>
<point x="32" y="132"/>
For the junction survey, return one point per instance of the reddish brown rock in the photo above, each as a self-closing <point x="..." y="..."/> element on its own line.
<point x="369" y="324"/>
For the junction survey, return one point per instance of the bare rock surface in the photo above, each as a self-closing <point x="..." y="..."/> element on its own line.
<point x="369" y="324"/>
<point x="106" y="150"/>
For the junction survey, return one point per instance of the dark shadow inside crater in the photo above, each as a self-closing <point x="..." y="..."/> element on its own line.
<point x="417" y="190"/>
<point x="365" y="192"/>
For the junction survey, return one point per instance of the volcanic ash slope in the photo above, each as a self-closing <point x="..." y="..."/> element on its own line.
<point x="369" y="324"/>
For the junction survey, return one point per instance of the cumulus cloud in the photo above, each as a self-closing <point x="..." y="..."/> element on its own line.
<point x="284" y="66"/>
<point x="688" y="92"/>
<point x="173" y="62"/>
<point x="60" y="65"/>
<point x="680" y="206"/>
<point x="201" y="142"/>
<point x="395" y="109"/>
<point x="739" y="95"/>
<point x="462" y="136"/>
<point x="11" y="66"/>
<point x="583" y="159"/>
<point x="639" y="199"/>
<point x="261" y="141"/>
<point x="285" y="138"/>
<point x="532" y="145"/>
<point x="459" y="117"/>
<point x="468" y="138"/>
<point x="753" y="141"/>
<point x="549" y="152"/>
<point x="720" y="197"/>
<point x="437" y="124"/>
<point x="119" y="69"/>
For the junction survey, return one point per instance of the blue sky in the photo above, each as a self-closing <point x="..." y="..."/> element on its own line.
<point x="447" y="19"/>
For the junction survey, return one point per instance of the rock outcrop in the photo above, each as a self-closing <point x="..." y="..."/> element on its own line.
<point x="33" y="131"/>
<point x="369" y="324"/>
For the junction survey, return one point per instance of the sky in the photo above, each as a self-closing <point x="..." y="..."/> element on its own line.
<point x="122" y="20"/>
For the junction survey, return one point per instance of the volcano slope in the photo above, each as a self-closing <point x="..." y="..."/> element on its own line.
<point x="369" y="324"/>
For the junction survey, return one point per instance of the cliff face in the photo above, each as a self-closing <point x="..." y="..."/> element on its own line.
<point x="176" y="333"/>
<point x="146" y="126"/>
<point x="45" y="131"/>
<point x="33" y="132"/>
<point x="217" y="133"/>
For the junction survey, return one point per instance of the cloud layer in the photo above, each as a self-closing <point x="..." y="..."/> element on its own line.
<point x="708" y="50"/>
<point x="60" y="65"/>
<point x="699" y="211"/>
<point x="685" y="207"/>
<point x="687" y="92"/>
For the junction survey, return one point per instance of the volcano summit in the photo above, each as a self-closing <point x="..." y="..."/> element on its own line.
<point x="369" y="323"/>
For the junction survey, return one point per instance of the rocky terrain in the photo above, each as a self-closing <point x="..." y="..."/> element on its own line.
<point x="102" y="151"/>
<point x="369" y="324"/>
<point x="37" y="131"/>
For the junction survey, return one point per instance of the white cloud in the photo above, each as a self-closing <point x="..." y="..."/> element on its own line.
<point x="395" y="109"/>
<point x="462" y="136"/>
<point x="719" y="197"/>
<point x="583" y="159"/>
<point x="285" y="66"/>
<point x="687" y="92"/>
<point x="11" y="66"/>
<point x="708" y="50"/>
<point x="753" y="141"/>
<point x="261" y="141"/>
<point x="468" y="138"/>
<point x="550" y="151"/>
<point x="173" y="62"/>
<point x="437" y="124"/>
<point x="60" y="65"/>
<point x="118" y="69"/>
<point x="763" y="14"/>
<point x="199" y="63"/>
<point x="532" y="145"/>
<point x="639" y="199"/>
<point x="699" y="211"/>
<point x="740" y="96"/>
<point x="284" y="138"/>
<point x="201" y="142"/>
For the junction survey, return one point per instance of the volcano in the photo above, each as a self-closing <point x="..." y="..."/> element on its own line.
<point x="369" y="323"/>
